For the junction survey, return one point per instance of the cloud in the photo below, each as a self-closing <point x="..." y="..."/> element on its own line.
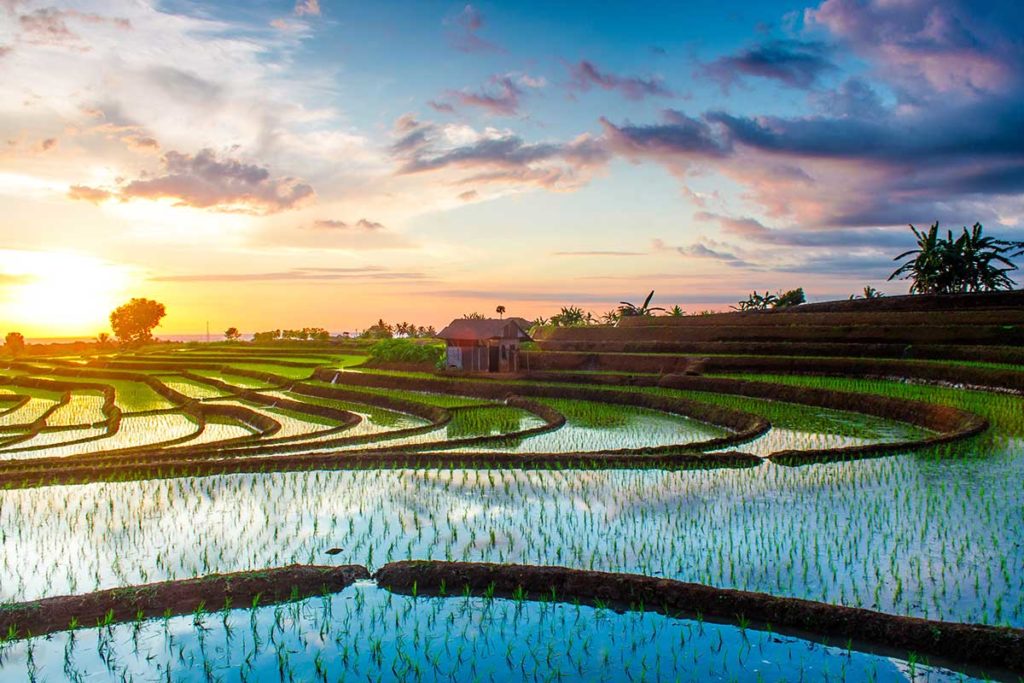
<point x="586" y="75"/>
<point x="307" y="8"/>
<point x="702" y="251"/>
<point x="465" y="34"/>
<point x="49" y="26"/>
<point x="374" y="273"/>
<point x="468" y="195"/>
<point x="493" y="156"/>
<point x="927" y="49"/>
<point x="678" y="136"/>
<point x="89" y="194"/>
<point x="203" y="181"/>
<point x="598" y="253"/>
<point x="361" y="224"/>
<point x="752" y="230"/>
<point x="796" y="63"/>
<point x="854" y="98"/>
<point x="501" y="100"/>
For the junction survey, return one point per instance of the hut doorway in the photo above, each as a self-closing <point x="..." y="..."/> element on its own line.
<point x="492" y="365"/>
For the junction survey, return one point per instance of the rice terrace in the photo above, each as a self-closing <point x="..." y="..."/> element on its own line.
<point x="511" y="342"/>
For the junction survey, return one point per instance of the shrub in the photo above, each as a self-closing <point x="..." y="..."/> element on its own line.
<point x="405" y="351"/>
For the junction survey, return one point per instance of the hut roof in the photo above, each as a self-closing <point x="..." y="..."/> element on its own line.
<point x="478" y="330"/>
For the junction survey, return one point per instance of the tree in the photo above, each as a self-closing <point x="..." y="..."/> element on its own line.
<point x="232" y="334"/>
<point x="379" y="330"/>
<point x="473" y="316"/>
<point x="627" y="309"/>
<point x="571" y="316"/>
<point x="676" y="311"/>
<point x="500" y="310"/>
<point x="266" y="337"/>
<point x="793" y="297"/>
<point x="972" y="262"/>
<point x="133" y="323"/>
<point x="610" y="317"/>
<point x="103" y="340"/>
<point x="757" y="302"/>
<point x="14" y="342"/>
<point x="869" y="292"/>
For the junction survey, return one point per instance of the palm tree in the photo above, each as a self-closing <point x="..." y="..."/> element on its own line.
<point x="610" y="317"/>
<point x="676" y="311"/>
<point x="500" y="310"/>
<point x="970" y="263"/>
<point x="925" y="270"/>
<point x="627" y="309"/>
<point x="757" y="302"/>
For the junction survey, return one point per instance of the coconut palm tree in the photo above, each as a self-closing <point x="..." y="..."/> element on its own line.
<point x="626" y="309"/>
<point x="500" y="310"/>
<point x="973" y="262"/>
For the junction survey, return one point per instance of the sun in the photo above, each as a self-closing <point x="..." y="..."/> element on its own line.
<point x="59" y="293"/>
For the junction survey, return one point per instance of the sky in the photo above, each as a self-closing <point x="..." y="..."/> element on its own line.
<point x="273" y="164"/>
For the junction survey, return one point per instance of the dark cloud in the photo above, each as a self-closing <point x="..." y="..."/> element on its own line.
<point x="854" y="98"/>
<point x="752" y="230"/>
<point x="496" y="158"/>
<point x="206" y="182"/>
<point x="585" y="75"/>
<point x="928" y="50"/>
<point x="678" y="135"/>
<point x="796" y="63"/>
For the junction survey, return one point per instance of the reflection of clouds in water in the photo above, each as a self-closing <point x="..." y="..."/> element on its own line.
<point x="824" y="532"/>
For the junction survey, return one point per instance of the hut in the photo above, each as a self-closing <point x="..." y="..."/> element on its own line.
<point x="487" y="345"/>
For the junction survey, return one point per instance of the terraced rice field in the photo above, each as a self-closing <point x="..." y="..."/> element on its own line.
<point x="899" y="497"/>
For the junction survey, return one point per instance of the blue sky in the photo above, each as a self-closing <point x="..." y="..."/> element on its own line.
<point x="269" y="164"/>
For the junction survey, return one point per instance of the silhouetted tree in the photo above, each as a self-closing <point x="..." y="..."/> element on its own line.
<point x="869" y="292"/>
<point x="500" y="310"/>
<point x="627" y="309"/>
<point x="756" y="302"/>
<point x="793" y="297"/>
<point x="972" y="262"/>
<point x="232" y="334"/>
<point x="133" y="322"/>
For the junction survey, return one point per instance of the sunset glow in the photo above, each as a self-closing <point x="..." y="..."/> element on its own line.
<point x="280" y="164"/>
<point x="54" y="293"/>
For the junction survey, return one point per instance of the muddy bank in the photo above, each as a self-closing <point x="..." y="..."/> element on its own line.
<point x="985" y="646"/>
<point x="145" y="468"/>
<point x="168" y="598"/>
<point x="994" y="378"/>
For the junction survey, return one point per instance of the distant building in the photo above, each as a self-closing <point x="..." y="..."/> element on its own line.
<point x="484" y="345"/>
